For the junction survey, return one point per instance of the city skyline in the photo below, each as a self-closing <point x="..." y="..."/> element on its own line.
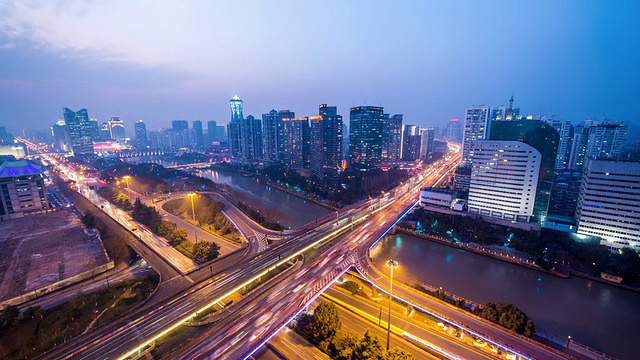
<point x="574" y="59"/>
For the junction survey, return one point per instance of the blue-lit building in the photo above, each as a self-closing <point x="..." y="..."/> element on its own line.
<point x="233" y="129"/>
<point x="79" y="131"/>
<point x="22" y="185"/>
<point x="365" y="137"/>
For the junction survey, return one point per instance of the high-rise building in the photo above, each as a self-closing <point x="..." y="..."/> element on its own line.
<point x="453" y="132"/>
<point x="198" y="133"/>
<point x="283" y="114"/>
<point x="94" y="129"/>
<point x="233" y="128"/>
<point x="427" y="142"/>
<point x="105" y="131"/>
<point x="61" y="138"/>
<point x="179" y="125"/>
<point x="596" y="141"/>
<point x="271" y="130"/>
<point x="296" y="139"/>
<point x="365" y="137"/>
<point x="251" y="141"/>
<point x="117" y="129"/>
<point x="326" y="142"/>
<point x="476" y="127"/>
<point x="545" y="140"/>
<point x="215" y="132"/>
<point x="565" y="130"/>
<point x="141" y="132"/>
<point x="410" y="142"/>
<point x="504" y="179"/>
<point x="391" y="137"/>
<point x="22" y="184"/>
<point x="609" y="201"/>
<point x="79" y="131"/>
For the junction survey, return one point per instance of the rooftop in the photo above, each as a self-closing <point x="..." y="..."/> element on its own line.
<point x="19" y="168"/>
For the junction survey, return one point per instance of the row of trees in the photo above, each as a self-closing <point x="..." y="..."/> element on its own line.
<point x="508" y="316"/>
<point x="323" y="327"/>
<point x="259" y="217"/>
<point x="116" y="197"/>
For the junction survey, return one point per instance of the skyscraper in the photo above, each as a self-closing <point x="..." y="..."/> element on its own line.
<point x="391" y="137"/>
<point x="410" y="142"/>
<point x="365" y="137"/>
<point x="609" y="201"/>
<point x="61" y="138"/>
<point x="565" y="130"/>
<point x="453" y="132"/>
<point x="283" y="114"/>
<point x="296" y="139"/>
<point x="105" y="131"/>
<point x="251" y="141"/>
<point x="476" y="127"/>
<point x="233" y="128"/>
<point x="79" y="131"/>
<point x="272" y="130"/>
<point x="326" y="142"/>
<point x="199" y="136"/>
<point x="214" y="132"/>
<point x="116" y="125"/>
<point x="94" y="129"/>
<point x="427" y="139"/>
<point x="141" y="133"/>
<point x="596" y="141"/>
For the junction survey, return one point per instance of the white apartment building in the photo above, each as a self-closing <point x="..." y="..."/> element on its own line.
<point x="504" y="179"/>
<point x="476" y="127"/>
<point x="609" y="202"/>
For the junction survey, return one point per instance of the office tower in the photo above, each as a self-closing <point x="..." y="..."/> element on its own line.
<point x="504" y="179"/>
<point x="233" y="128"/>
<point x="79" y="131"/>
<point x="215" y="132"/>
<point x="410" y="142"/>
<point x="453" y="132"/>
<point x="271" y="130"/>
<point x="283" y="114"/>
<point x="154" y="138"/>
<point x="61" y="138"/>
<point x="391" y="137"/>
<point x="476" y="127"/>
<point x="326" y="142"/>
<point x="296" y="138"/>
<point x="105" y="131"/>
<point x="251" y="141"/>
<point x="22" y="184"/>
<point x="365" y="137"/>
<point x="427" y="142"/>
<point x="543" y="138"/>
<point x="116" y="125"/>
<point x="198" y="134"/>
<point x="565" y="130"/>
<point x="596" y="141"/>
<point x="141" y="132"/>
<point x="94" y="129"/>
<point x="609" y="201"/>
<point x="179" y="125"/>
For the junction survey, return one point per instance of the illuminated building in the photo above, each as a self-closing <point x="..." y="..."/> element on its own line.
<point x="116" y="126"/>
<point x="296" y="139"/>
<point x="271" y="129"/>
<point x="476" y="127"/>
<point x="427" y="142"/>
<point x="326" y="142"/>
<point x="61" y="137"/>
<point x="596" y="141"/>
<point x="198" y="133"/>
<point x="391" y="137"/>
<point x="365" y="137"/>
<point x="141" y="133"/>
<point x="233" y="128"/>
<point x="105" y="131"/>
<point x="410" y="142"/>
<point x="79" y="131"/>
<point x="251" y="141"/>
<point x="94" y="129"/>
<point x="22" y="185"/>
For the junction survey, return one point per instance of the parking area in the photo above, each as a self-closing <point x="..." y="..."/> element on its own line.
<point x="39" y="250"/>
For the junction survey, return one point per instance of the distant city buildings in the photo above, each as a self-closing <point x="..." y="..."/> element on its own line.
<point x="22" y="185"/>
<point x="77" y="123"/>
<point x="296" y="142"/>
<point x="391" y="137"/>
<point x="411" y="142"/>
<point x="140" y="130"/>
<point x="116" y="126"/>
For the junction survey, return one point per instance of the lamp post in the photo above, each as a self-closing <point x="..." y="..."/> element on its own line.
<point x="193" y="212"/>
<point x="391" y="264"/>
<point x="568" y="341"/>
<point x="126" y="178"/>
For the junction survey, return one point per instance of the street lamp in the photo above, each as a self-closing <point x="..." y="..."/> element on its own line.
<point x="193" y="212"/>
<point x="391" y="264"/>
<point x="126" y="178"/>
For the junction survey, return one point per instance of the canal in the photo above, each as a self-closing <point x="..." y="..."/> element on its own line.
<point x="600" y="316"/>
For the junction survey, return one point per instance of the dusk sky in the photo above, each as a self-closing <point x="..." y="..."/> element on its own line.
<point x="165" y="60"/>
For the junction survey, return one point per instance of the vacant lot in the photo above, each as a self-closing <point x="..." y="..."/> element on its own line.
<point x="42" y="249"/>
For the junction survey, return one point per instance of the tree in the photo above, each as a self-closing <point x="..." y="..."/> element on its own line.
<point x="9" y="315"/>
<point x="205" y="251"/>
<point x="32" y="312"/>
<point x="178" y="236"/>
<point x="343" y="344"/>
<point x="166" y="228"/>
<point x="326" y="322"/>
<point x="399" y="354"/>
<point x="369" y="348"/>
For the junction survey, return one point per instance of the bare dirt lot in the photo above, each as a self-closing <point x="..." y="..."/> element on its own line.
<point x="39" y="250"/>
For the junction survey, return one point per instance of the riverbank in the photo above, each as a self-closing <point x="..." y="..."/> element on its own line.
<point x="515" y="258"/>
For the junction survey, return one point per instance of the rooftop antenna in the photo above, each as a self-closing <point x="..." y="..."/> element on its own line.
<point x="511" y="102"/>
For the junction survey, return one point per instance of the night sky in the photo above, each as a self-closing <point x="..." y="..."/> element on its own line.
<point x="165" y="60"/>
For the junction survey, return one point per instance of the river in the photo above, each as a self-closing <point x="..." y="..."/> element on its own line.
<point x="291" y="211"/>
<point x="600" y="316"/>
